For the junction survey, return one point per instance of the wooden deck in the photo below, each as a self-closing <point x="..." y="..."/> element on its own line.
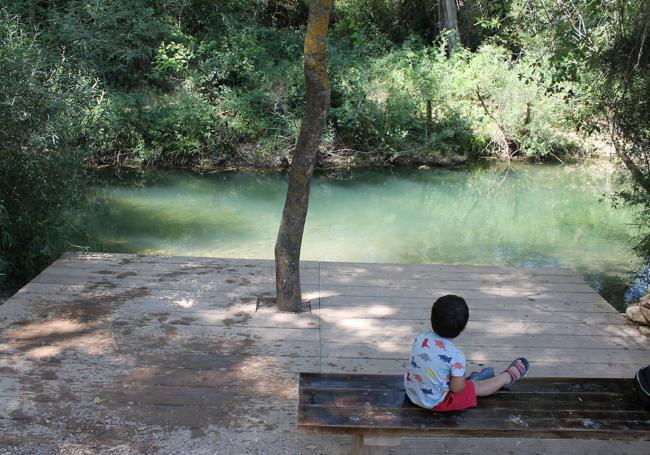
<point x="168" y="354"/>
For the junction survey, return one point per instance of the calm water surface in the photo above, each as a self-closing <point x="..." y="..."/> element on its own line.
<point x="527" y="216"/>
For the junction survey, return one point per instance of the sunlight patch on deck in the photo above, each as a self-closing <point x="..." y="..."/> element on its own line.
<point x="103" y="341"/>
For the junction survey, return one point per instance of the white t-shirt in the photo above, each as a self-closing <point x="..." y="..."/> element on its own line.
<point x="433" y="360"/>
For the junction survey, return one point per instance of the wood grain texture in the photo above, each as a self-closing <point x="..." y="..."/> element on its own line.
<point x="543" y="407"/>
<point x="104" y="342"/>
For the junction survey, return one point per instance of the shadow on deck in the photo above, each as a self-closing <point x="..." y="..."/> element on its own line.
<point x="168" y="355"/>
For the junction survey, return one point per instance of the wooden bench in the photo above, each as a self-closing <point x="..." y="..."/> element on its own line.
<point x="376" y="411"/>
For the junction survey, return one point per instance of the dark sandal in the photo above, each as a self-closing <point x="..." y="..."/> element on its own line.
<point x="515" y="371"/>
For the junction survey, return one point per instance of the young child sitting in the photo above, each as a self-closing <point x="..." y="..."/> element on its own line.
<point x="435" y="378"/>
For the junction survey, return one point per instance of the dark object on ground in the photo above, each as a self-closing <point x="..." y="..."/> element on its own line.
<point x="375" y="409"/>
<point x="642" y="384"/>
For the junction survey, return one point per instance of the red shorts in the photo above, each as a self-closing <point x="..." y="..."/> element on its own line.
<point x="458" y="401"/>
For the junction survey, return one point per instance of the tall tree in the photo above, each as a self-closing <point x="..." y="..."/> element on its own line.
<point x="448" y="16"/>
<point x="292" y="225"/>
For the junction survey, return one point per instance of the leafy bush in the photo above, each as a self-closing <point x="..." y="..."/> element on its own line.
<point x="477" y="100"/>
<point x="117" y="39"/>
<point x="188" y="81"/>
<point x="507" y="104"/>
<point x="46" y="110"/>
<point x="150" y="128"/>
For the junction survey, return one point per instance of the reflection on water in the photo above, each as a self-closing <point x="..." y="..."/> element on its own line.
<point x="526" y="216"/>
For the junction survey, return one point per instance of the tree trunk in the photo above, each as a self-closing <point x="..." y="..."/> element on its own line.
<point x="292" y="225"/>
<point x="429" y="121"/>
<point x="448" y="14"/>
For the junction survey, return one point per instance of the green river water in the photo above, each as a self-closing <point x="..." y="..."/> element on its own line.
<point x="527" y="216"/>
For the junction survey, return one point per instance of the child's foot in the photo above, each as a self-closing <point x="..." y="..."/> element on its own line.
<point x="518" y="369"/>
<point x="485" y="373"/>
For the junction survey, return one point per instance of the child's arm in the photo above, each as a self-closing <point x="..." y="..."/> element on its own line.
<point x="458" y="367"/>
<point x="457" y="384"/>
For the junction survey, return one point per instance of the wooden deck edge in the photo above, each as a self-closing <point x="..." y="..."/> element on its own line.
<point x="523" y="433"/>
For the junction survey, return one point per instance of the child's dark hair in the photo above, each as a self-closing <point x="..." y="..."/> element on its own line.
<point x="449" y="315"/>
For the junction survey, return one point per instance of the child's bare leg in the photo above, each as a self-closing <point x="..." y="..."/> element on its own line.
<point x="515" y="371"/>
<point x="490" y="386"/>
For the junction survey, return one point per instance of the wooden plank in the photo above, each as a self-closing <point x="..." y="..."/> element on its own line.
<point x="338" y="443"/>
<point x="182" y="396"/>
<point x="181" y="377"/>
<point x="545" y="405"/>
<point x="231" y="375"/>
<point x="459" y="286"/>
<point x="383" y="382"/>
<point x="539" y="369"/>
<point x="231" y="413"/>
<point x="449" y="424"/>
<point x="597" y="304"/>
<point x="125" y="258"/>
<point x="585" y="295"/>
<point x="187" y="299"/>
<point x="156" y="283"/>
<point x="190" y="361"/>
<point x="431" y="443"/>
<point x="142" y="310"/>
<point x="469" y="340"/>
<point x="59" y="275"/>
<point x="97" y="287"/>
<point x="60" y="347"/>
<point x="364" y="268"/>
<point x="389" y="326"/>
<point x="207" y="266"/>
<point x="199" y="369"/>
<point x="214" y="297"/>
<point x="261" y="320"/>
<point x="583" y="356"/>
<point x="491" y="315"/>
<point x="433" y="275"/>
<point x="182" y="331"/>
<point x="174" y="395"/>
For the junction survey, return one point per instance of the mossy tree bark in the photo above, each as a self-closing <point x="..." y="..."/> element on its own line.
<point x="292" y="225"/>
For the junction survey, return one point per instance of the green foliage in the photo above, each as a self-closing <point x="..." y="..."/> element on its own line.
<point x="172" y="59"/>
<point x="46" y="110"/>
<point x="188" y="81"/>
<point x="156" y="128"/>
<point x="601" y="47"/>
<point x="479" y="99"/>
<point x="117" y="39"/>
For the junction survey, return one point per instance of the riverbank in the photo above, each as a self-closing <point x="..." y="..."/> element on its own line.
<point x="281" y="163"/>
<point x="334" y="160"/>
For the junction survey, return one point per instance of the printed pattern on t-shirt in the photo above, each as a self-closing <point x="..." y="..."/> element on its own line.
<point x="433" y="360"/>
